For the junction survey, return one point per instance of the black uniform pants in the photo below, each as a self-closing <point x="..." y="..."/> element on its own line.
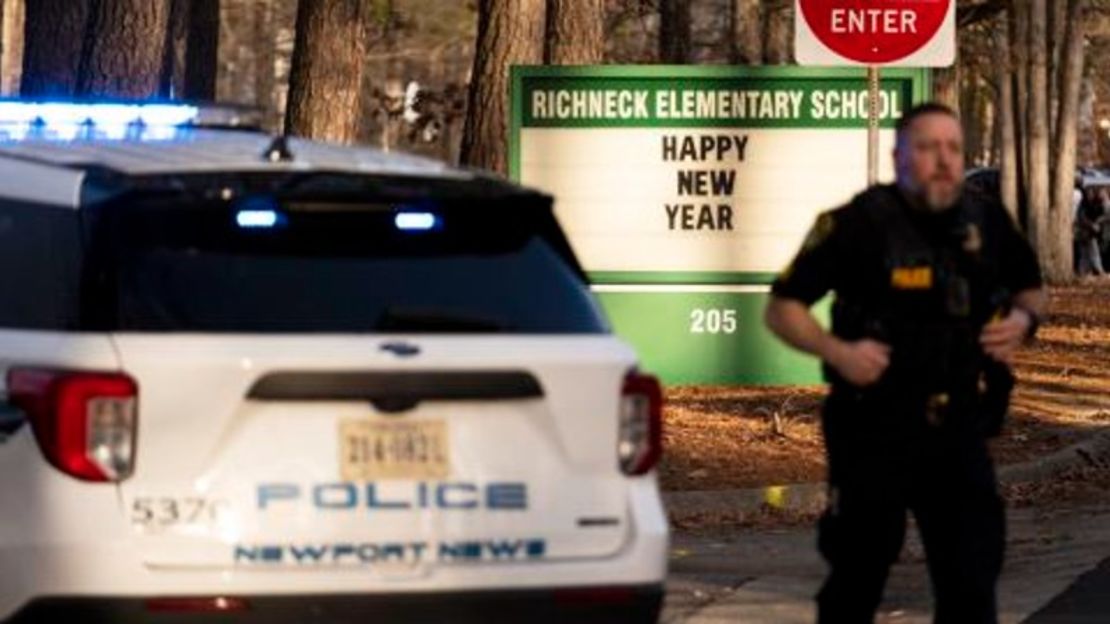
<point x="880" y="468"/>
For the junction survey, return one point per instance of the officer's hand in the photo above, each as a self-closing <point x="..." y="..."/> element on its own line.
<point x="861" y="362"/>
<point x="1000" y="339"/>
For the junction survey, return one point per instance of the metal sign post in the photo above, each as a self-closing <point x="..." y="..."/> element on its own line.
<point x="872" y="125"/>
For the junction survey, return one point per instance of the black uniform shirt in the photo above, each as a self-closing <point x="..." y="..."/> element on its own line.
<point x="844" y="251"/>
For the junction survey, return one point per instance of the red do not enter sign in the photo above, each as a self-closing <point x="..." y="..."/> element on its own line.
<point x="874" y="32"/>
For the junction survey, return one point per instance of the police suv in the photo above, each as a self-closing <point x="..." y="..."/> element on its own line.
<point x="257" y="379"/>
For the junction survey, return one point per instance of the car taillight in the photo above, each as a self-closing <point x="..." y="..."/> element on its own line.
<point x="640" y="440"/>
<point x="85" y="422"/>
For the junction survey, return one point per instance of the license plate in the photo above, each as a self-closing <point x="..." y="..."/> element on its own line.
<point x="371" y="450"/>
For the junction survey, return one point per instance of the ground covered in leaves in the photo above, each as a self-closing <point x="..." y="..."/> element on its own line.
<point x="721" y="437"/>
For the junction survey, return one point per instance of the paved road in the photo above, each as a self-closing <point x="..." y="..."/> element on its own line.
<point x="1085" y="602"/>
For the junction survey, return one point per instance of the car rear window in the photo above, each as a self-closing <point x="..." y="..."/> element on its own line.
<point x="263" y="264"/>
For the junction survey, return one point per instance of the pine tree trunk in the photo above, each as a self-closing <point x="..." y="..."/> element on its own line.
<point x="747" y="32"/>
<point x="575" y="32"/>
<point x="201" y="50"/>
<point x="11" y="66"/>
<point x="1057" y="23"/>
<point x="172" y="81"/>
<point x="264" y="71"/>
<point x="510" y="32"/>
<point x="122" y="51"/>
<point x="1008" y="151"/>
<point x="4" y="43"/>
<point x="54" y="32"/>
<point x="328" y="60"/>
<point x="674" y="31"/>
<point x="1038" y="184"/>
<point x="972" y="120"/>
<point x="1087" y="149"/>
<point x="1058" y="265"/>
<point x="778" y="35"/>
<point x="1019" y="44"/>
<point x="946" y="84"/>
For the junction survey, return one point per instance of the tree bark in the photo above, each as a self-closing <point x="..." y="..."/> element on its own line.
<point x="4" y="43"/>
<point x="1038" y="184"/>
<point x="264" y="71"/>
<point x="11" y="67"/>
<point x="575" y="32"/>
<point x="778" y="42"/>
<point x="1058" y="264"/>
<point x="1008" y="152"/>
<point x="747" y="32"/>
<point x="510" y="32"/>
<point x="977" y="114"/>
<point x="172" y="80"/>
<point x="946" y="84"/>
<point x="674" y="31"/>
<point x="1087" y="149"/>
<point x="1057" y="23"/>
<point x="53" y="34"/>
<point x="1019" y="43"/>
<point x="122" y="51"/>
<point x="328" y="60"/>
<point x="201" y="50"/>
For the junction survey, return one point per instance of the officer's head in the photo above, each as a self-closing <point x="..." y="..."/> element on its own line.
<point x="929" y="155"/>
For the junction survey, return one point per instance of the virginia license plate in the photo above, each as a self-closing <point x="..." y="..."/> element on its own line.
<point x="371" y="450"/>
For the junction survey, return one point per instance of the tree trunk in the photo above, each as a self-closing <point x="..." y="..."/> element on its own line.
<point x="1058" y="264"/>
<point x="946" y="84"/>
<point x="575" y="32"/>
<point x="1057" y="23"/>
<point x="747" y="32"/>
<point x="1019" y="43"/>
<point x="1008" y="152"/>
<point x="122" y="51"/>
<point x="1087" y="149"/>
<point x="510" y="32"/>
<point x="1038" y="184"/>
<point x="53" y="34"/>
<point x="172" y="81"/>
<point x="674" y="31"/>
<point x="202" y="46"/>
<point x="972" y="119"/>
<point x="4" y="42"/>
<point x="778" y="42"/>
<point x="11" y="66"/>
<point x="328" y="60"/>
<point x="264" y="71"/>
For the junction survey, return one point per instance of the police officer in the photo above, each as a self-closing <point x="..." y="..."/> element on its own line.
<point x="934" y="291"/>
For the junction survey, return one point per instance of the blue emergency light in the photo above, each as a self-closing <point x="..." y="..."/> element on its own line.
<point x="68" y="121"/>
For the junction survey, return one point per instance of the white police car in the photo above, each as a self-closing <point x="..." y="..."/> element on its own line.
<point x="256" y="380"/>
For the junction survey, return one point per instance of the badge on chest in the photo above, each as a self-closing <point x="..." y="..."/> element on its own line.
<point x="911" y="277"/>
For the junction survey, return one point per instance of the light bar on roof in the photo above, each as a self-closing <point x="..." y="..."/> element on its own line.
<point x="68" y="121"/>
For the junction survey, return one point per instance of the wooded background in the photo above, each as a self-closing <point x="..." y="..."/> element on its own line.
<point x="1032" y="80"/>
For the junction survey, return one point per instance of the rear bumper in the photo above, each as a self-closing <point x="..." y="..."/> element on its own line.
<point x="631" y="604"/>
